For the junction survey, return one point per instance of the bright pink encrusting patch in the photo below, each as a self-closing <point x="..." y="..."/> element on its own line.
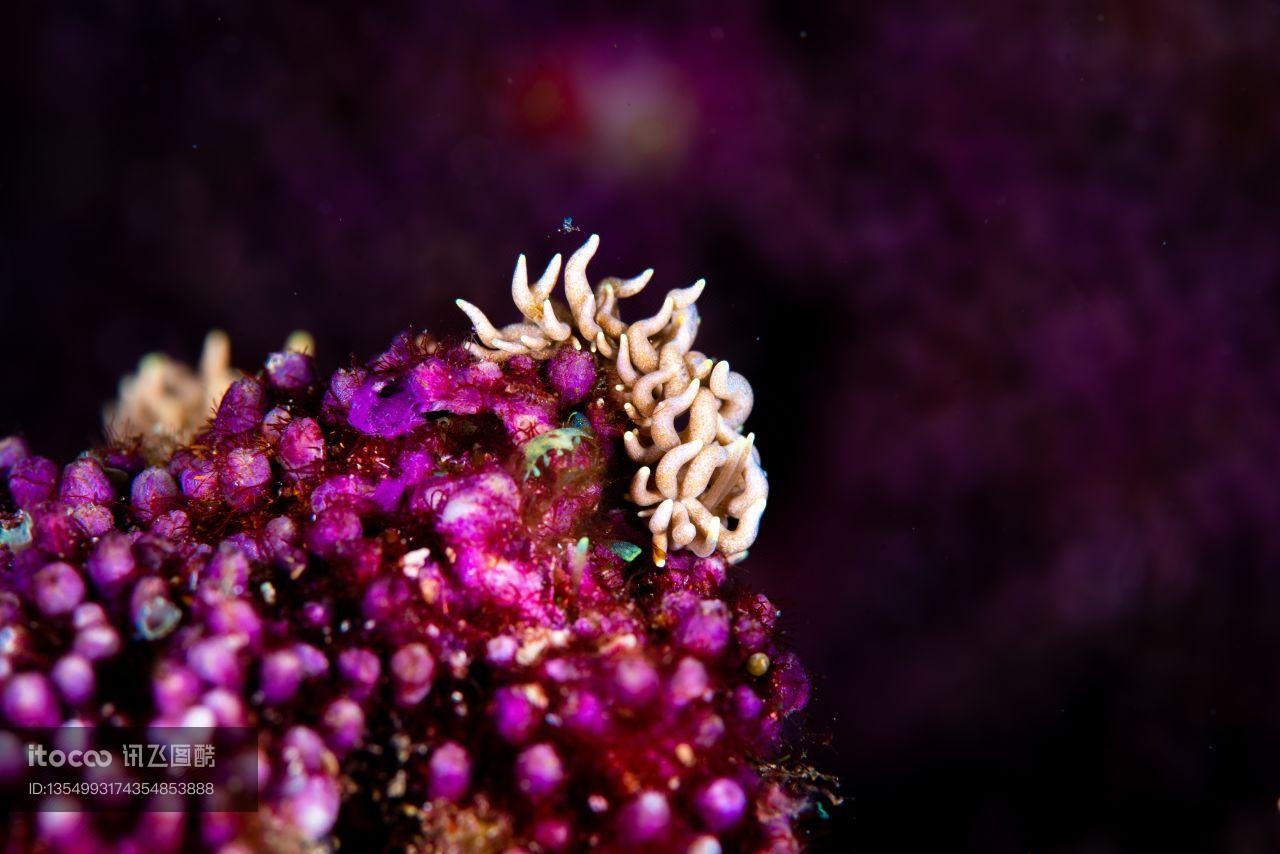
<point x="420" y="582"/>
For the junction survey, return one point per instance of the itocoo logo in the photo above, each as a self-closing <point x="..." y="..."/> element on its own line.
<point x="38" y="755"/>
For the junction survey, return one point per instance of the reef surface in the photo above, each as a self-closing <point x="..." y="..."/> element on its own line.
<point x="423" y="584"/>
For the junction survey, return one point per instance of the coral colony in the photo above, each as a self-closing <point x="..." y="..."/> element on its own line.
<point x="436" y="584"/>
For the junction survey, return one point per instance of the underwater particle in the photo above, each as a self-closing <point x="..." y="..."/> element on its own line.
<point x="758" y="664"/>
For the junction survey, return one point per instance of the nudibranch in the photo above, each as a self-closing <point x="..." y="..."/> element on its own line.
<point x="693" y="480"/>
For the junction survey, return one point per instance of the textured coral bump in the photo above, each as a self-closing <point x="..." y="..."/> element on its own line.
<point x="692" y="480"/>
<point x="419" y="581"/>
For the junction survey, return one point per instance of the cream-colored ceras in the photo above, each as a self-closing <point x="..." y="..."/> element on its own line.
<point x="701" y="485"/>
<point x="166" y="403"/>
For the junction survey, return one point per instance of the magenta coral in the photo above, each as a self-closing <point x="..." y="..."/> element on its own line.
<point x="420" y="582"/>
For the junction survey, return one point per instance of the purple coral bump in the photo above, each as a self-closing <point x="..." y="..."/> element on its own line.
<point x="412" y="667"/>
<point x="281" y="676"/>
<point x="83" y="481"/>
<point x="241" y="408"/>
<point x="360" y="668"/>
<point x="539" y="771"/>
<point x="301" y="444"/>
<point x="572" y="374"/>
<point x="74" y="676"/>
<point x="12" y="449"/>
<point x="29" y="701"/>
<point x="514" y="714"/>
<point x="344" y="720"/>
<point x="111" y="563"/>
<point x="32" y="480"/>
<point x="645" y="819"/>
<point x="450" y="772"/>
<point x="57" y="589"/>
<point x="290" y="371"/>
<point x="705" y="631"/>
<point x="154" y="492"/>
<point x="721" y="803"/>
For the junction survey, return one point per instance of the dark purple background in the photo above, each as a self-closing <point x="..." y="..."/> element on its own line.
<point x="1006" y="279"/>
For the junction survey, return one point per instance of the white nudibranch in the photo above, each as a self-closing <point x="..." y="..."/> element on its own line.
<point x="702" y="486"/>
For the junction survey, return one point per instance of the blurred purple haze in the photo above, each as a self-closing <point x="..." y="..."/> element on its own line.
<point x="1006" y="279"/>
